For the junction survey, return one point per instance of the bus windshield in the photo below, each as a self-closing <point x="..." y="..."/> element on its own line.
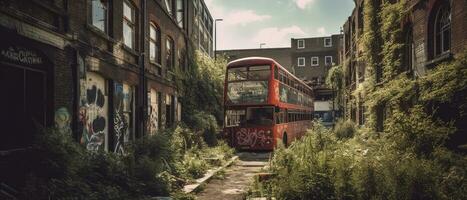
<point x="260" y="116"/>
<point x="248" y="84"/>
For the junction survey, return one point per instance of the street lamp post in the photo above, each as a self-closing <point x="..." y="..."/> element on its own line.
<point x="261" y="45"/>
<point x="215" y="37"/>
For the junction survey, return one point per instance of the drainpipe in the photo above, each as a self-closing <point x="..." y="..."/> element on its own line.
<point x="142" y="79"/>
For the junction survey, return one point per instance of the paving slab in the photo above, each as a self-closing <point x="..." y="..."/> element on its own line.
<point x="237" y="179"/>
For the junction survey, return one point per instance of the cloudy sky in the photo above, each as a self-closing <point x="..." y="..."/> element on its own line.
<point x="247" y="23"/>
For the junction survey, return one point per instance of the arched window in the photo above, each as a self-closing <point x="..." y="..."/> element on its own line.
<point x="409" y="51"/>
<point x="442" y="30"/>
<point x="154" y="44"/>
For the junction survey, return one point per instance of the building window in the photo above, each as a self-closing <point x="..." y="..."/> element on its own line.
<point x="314" y="61"/>
<point x="128" y="24"/>
<point x="180" y="11"/>
<point x="409" y="54"/>
<point x="170" y="53"/>
<point x="300" y="44"/>
<point x="99" y="14"/>
<point x="154" y="44"/>
<point x="442" y="32"/>
<point x="169" y="110"/>
<point x="327" y="60"/>
<point x="328" y="42"/>
<point x="170" y="5"/>
<point x="301" y="62"/>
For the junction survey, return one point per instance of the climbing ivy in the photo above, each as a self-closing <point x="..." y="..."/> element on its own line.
<point x="391" y="16"/>
<point x="335" y="80"/>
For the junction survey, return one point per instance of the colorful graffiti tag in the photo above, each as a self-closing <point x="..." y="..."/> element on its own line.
<point x="123" y="96"/>
<point x="62" y="121"/>
<point x="153" y="122"/>
<point x="252" y="137"/>
<point x="93" y="112"/>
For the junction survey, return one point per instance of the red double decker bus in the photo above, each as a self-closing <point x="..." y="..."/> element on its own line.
<point x="264" y="103"/>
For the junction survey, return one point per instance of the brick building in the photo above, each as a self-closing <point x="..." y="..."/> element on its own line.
<point x="313" y="57"/>
<point x="201" y="26"/>
<point x="434" y="31"/>
<point x="101" y="71"/>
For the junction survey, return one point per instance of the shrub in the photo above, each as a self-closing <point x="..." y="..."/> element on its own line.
<point x="322" y="166"/>
<point x="344" y="129"/>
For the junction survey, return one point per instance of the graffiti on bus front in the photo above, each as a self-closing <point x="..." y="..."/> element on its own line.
<point x="253" y="137"/>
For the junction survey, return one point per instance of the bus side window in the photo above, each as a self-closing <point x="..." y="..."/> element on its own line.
<point x="276" y="72"/>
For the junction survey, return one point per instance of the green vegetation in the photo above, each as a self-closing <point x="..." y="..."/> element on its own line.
<point x="159" y="164"/>
<point x="335" y="81"/>
<point x="324" y="166"/>
<point x="419" y="153"/>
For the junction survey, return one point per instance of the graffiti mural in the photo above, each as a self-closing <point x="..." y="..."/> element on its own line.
<point x="62" y="121"/>
<point x="252" y="137"/>
<point x="153" y="121"/>
<point x="93" y="112"/>
<point x="123" y="107"/>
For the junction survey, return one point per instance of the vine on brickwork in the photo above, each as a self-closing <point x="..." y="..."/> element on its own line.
<point x="391" y="16"/>
<point x="371" y="40"/>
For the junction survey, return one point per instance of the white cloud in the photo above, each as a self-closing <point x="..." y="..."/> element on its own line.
<point x="321" y="31"/>
<point x="277" y="37"/>
<point x="215" y="10"/>
<point x="234" y="17"/>
<point x="302" y="4"/>
<point x="244" y="17"/>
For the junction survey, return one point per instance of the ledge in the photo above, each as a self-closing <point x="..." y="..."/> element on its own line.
<point x="438" y="59"/>
<point x="192" y="187"/>
<point x="99" y="33"/>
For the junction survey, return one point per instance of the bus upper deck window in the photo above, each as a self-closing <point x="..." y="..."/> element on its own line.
<point x="261" y="72"/>
<point x="237" y="74"/>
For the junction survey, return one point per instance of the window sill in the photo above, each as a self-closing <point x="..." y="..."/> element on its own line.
<point x="99" y="33"/>
<point x="155" y="63"/>
<point x="438" y="59"/>
<point x="129" y="50"/>
<point x="157" y="69"/>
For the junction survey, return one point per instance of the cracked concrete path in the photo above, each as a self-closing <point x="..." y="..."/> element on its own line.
<point x="237" y="179"/>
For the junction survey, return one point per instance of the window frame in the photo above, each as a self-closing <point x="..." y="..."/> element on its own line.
<point x="330" y="42"/>
<point x="180" y="23"/>
<point x="298" y="44"/>
<point x="298" y="62"/>
<point x="439" y="14"/>
<point x="106" y="15"/>
<point x="325" y="61"/>
<point x="317" y="61"/>
<point x="172" y="53"/>
<point x="130" y="22"/>
<point x="157" y="43"/>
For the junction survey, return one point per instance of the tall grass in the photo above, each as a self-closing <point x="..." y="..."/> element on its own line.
<point x="323" y="166"/>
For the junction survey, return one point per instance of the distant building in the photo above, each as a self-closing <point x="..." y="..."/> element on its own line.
<point x="200" y="28"/>
<point x="313" y="57"/>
